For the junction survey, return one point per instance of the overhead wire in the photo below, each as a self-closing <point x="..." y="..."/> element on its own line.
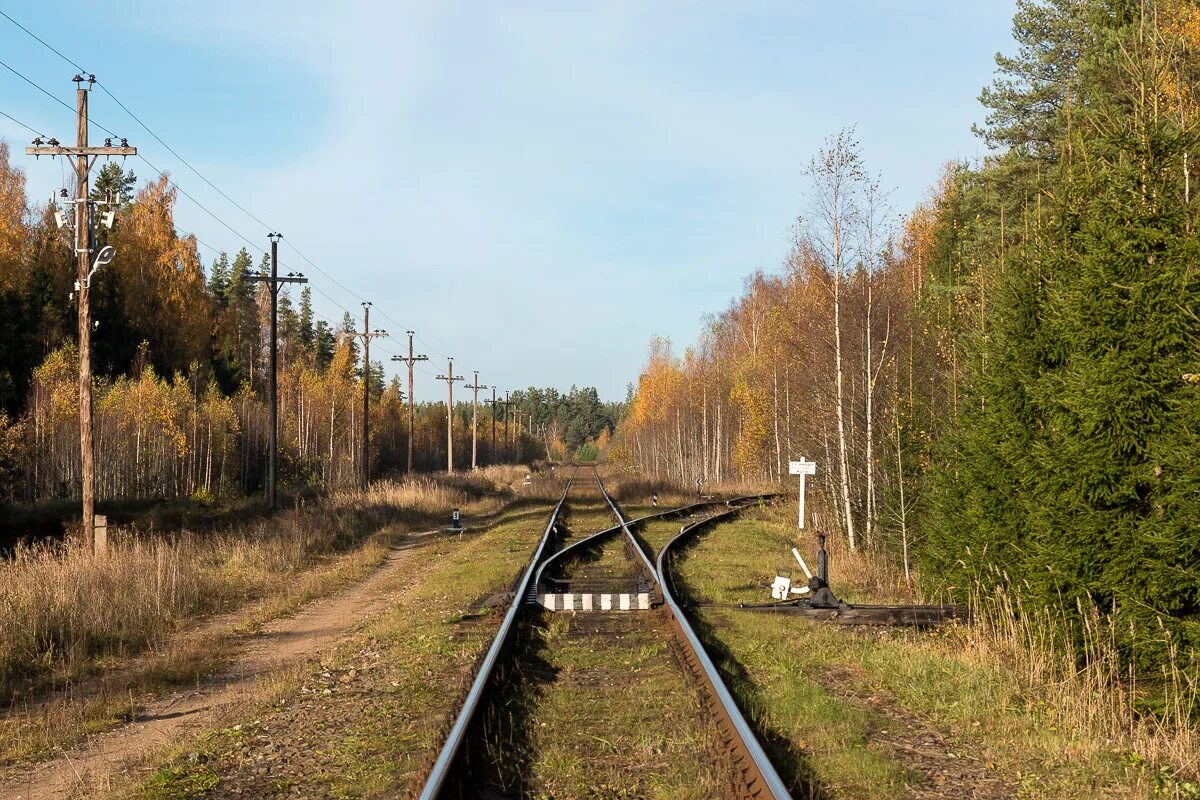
<point x="183" y="160"/>
<point x="29" y="128"/>
<point x="175" y="184"/>
<point x="43" y="42"/>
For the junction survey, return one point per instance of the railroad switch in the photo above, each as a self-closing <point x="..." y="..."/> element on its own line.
<point x="817" y="593"/>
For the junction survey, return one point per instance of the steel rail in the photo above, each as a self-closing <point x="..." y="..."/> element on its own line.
<point x="446" y="756"/>
<point x="624" y="525"/>
<point x="582" y="543"/>
<point x="758" y="773"/>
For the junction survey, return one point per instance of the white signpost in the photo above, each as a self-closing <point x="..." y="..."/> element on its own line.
<point x="803" y="468"/>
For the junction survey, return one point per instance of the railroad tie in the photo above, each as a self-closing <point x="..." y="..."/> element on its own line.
<point x="595" y="601"/>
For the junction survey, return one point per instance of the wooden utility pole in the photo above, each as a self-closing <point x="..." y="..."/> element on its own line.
<point x="365" y="337"/>
<point x="273" y="282"/>
<point x="85" y="158"/>
<point x="410" y="360"/>
<point x="507" y="426"/>
<point x="450" y="378"/>
<point x="474" y="387"/>
<point x="492" y="449"/>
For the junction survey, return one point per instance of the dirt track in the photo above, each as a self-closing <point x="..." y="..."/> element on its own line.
<point x="283" y="644"/>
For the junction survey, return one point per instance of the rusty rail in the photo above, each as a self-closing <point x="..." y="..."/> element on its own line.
<point x="756" y="773"/>
<point x="757" y="777"/>
<point x="458" y="732"/>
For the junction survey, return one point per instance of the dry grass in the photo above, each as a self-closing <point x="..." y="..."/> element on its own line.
<point x="65" y="613"/>
<point x="1071" y="672"/>
<point x="414" y="662"/>
<point x="102" y="632"/>
<point x="1086" y="688"/>
<point x="628" y="487"/>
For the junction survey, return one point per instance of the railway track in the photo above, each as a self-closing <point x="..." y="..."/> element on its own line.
<point x="629" y="660"/>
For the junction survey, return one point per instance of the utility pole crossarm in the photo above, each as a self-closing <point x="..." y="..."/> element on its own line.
<point x="365" y="337"/>
<point x="84" y="158"/>
<point x="283" y="279"/>
<point x="47" y="150"/>
<point x="450" y="378"/>
<point x="410" y="361"/>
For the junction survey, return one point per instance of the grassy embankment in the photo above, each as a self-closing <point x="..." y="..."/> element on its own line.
<point x="995" y="708"/>
<point x="81" y="638"/>
<point x="391" y="688"/>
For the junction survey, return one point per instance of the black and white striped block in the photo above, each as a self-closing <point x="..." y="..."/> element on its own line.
<point x="595" y="601"/>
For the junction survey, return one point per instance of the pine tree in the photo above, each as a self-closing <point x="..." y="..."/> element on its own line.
<point x="1035" y="86"/>
<point x="1120" y="419"/>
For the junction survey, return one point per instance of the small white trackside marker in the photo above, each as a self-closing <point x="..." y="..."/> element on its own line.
<point x="606" y="602"/>
<point x="568" y="602"/>
<point x="587" y="602"/>
<point x="625" y="602"/>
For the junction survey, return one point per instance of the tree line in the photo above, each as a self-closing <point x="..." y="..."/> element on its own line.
<point x="1001" y="386"/>
<point x="181" y="359"/>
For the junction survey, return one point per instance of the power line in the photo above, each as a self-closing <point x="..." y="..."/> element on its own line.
<point x="34" y="131"/>
<point x="43" y="42"/>
<point x="185" y="162"/>
<point x="203" y="207"/>
<point x="334" y="280"/>
<point x="39" y="88"/>
<point x="431" y="347"/>
<point x="56" y="99"/>
<point x="188" y="164"/>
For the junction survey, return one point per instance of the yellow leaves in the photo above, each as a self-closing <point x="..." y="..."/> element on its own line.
<point x="13" y="221"/>
<point x="752" y="437"/>
<point x="161" y="277"/>
<point x="1179" y="22"/>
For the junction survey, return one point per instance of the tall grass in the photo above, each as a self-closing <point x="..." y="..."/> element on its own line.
<point x="1063" y="663"/>
<point x="64" y="611"/>
<point x="1069" y="665"/>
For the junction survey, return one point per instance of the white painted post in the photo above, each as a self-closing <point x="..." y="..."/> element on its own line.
<point x="803" y="468"/>
<point x="802" y="493"/>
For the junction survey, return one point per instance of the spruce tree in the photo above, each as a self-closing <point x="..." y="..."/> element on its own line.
<point x="218" y="280"/>
<point x="307" y="332"/>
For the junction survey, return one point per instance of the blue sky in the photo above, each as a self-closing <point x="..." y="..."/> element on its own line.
<point x="535" y="188"/>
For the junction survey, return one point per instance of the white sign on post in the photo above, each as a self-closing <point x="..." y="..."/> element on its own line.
<point x="803" y="468"/>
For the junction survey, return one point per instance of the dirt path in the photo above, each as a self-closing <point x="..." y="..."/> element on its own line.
<point x="940" y="769"/>
<point x="285" y="643"/>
